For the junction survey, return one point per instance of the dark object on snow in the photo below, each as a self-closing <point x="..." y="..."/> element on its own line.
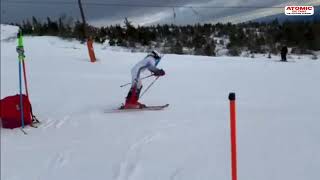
<point x="10" y="111"/>
<point x="284" y="52"/>
<point x="269" y="55"/>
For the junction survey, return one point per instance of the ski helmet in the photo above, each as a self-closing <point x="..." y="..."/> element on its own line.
<point x="155" y="54"/>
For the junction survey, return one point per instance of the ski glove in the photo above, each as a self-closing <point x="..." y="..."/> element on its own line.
<point x="159" y="72"/>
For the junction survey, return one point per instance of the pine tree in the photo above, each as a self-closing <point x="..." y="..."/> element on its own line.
<point x="177" y="48"/>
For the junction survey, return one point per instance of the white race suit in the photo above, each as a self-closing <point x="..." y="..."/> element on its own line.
<point x="148" y="63"/>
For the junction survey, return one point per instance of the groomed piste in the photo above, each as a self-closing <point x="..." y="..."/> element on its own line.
<point x="277" y="116"/>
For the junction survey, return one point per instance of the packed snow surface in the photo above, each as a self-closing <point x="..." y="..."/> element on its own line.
<point x="278" y="116"/>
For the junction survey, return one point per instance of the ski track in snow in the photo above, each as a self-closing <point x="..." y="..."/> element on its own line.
<point x="60" y="160"/>
<point x="129" y="167"/>
<point x="56" y="163"/>
<point x="53" y="123"/>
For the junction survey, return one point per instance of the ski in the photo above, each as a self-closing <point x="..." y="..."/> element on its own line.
<point x="147" y="108"/>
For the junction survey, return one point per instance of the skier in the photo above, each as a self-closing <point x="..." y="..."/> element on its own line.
<point x="150" y="63"/>
<point x="284" y="52"/>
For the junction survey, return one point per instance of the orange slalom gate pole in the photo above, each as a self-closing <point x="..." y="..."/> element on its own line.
<point x="233" y="125"/>
<point x="90" y="49"/>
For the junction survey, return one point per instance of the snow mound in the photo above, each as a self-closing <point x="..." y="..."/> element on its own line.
<point x="8" y="32"/>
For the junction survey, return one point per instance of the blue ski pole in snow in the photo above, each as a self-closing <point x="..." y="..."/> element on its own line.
<point x="20" y="56"/>
<point x="21" y="103"/>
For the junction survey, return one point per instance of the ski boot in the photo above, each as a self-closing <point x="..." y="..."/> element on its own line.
<point x="132" y="100"/>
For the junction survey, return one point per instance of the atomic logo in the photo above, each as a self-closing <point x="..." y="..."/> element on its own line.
<point x="299" y="10"/>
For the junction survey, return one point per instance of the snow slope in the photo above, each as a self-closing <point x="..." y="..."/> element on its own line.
<point x="277" y="103"/>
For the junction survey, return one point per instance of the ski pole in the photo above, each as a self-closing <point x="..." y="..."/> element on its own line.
<point x="25" y="78"/>
<point x="131" y="83"/>
<point x="149" y="86"/>
<point x="20" y="57"/>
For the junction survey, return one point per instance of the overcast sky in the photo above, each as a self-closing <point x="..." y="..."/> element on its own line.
<point x="143" y="12"/>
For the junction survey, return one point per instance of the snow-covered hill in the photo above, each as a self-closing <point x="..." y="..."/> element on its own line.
<point x="278" y="117"/>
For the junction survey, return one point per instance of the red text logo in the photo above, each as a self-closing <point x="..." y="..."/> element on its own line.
<point x="299" y="10"/>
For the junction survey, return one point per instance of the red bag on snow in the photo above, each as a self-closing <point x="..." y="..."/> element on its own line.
<point x="10" y="111"/>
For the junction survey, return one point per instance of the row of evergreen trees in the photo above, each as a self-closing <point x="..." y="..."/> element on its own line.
<point x="199" y="39"/>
